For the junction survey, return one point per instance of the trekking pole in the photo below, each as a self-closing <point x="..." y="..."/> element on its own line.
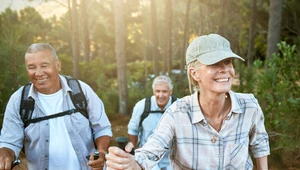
<point x="122" y="142"/>
<point x="96" y="156"/>
<point x="15" y="163"/>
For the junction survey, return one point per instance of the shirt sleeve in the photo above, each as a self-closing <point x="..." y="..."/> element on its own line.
<point x="158" y="143"/>
<point x="12" y="132"/>
<point x="259" y="140"/>
<point x="96" y="112"/>
<point x="133" y="125"/>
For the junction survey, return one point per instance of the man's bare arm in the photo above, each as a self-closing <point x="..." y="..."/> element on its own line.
<point x="133" y="140"/>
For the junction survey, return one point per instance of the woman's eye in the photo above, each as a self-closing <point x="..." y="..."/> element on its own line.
<point x="227" y="61"/>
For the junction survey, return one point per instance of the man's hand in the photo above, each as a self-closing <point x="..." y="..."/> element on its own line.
<point x="117" y="159"/>
<point x="97" y="164"/>
<point x="7" y="156"/>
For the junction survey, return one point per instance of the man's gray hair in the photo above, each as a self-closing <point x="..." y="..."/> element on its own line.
<point x="36" y="47"/>
<point x="162" y="79"/>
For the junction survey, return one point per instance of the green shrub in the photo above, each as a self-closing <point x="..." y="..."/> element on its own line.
<point x="277" y="89"/>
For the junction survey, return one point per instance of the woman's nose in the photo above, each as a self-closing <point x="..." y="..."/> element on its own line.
<point x="222" y="67"/>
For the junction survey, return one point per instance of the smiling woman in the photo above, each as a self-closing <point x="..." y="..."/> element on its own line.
<point x="214" y="128"/>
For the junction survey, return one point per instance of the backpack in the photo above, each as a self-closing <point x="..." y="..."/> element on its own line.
<point x="76" y="95"/>
<point x="148" y="106"/>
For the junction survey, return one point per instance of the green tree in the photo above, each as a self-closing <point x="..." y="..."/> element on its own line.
<point x="275" y="83"/>
<point x="155" y="55"/>
<point x="17" y="31"/>
<point x="274" y="26"/>
<point x="85" y="30"/>
<point x="251" y="34"/>
<point x="120" y="55"/>
<point x="168" y="30"/>
<point x="75" y="39"/>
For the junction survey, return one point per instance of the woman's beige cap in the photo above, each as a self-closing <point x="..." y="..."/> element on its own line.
<point x="209" y="49"/>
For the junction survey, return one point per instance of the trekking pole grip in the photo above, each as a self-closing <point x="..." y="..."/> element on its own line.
<point x="122" y="142"/>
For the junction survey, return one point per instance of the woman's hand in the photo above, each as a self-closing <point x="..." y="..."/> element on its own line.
<point x="117" y="159"/>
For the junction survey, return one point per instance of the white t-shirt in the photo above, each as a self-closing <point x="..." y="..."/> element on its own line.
<point x="61" y="152"/>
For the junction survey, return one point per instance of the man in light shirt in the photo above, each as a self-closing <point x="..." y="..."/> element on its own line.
<point x="59" y="143"/>
<point x="144" y="119"/>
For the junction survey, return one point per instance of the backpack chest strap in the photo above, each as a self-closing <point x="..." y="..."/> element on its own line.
<point x="68" y="112"/>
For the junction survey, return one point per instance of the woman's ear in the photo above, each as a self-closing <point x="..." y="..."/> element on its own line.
<point x="194" y="74"/>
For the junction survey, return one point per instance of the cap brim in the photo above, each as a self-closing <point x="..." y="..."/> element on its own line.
<point x="216" y="56"/>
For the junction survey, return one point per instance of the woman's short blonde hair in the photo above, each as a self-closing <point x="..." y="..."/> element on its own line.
<point x="193" y="84"/>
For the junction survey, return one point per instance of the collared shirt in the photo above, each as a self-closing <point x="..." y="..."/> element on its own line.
<point x="195" y="145"/>
<point x="148" y="125"/>
<point x="36" y="135"/>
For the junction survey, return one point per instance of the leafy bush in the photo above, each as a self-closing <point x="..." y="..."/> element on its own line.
<point x="276" y="85"/>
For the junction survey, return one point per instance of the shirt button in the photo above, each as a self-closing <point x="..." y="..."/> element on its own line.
<point x="227" y="118"/>
<point x="213" y="140"/>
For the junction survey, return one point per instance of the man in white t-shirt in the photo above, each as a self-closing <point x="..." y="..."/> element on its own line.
<point x="60" y="143"/>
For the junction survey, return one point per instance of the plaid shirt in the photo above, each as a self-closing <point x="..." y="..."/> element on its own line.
<point x="196" y="145"/>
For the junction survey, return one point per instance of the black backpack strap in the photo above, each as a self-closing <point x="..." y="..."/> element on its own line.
<point x="77" y="96"/>
<point x="68" y="112"/>
<point x="146" y="110"/>
<point x="173" y="99"/>
<point x="26" y="105"/>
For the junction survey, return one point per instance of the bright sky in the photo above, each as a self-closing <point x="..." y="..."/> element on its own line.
<point x="46" y="9"/>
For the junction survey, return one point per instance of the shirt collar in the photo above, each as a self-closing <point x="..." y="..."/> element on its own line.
<point x="235" y="105"/>
<point x="156" y="107"/>
<point x="197" y="115"/>
<point x="65" y="87"/>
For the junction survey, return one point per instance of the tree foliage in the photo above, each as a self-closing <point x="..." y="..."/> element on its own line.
<point x="274" y="81"/>
<point x="276" y="84"/>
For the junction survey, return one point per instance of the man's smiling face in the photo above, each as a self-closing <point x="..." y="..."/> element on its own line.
<point x="43" y="71"/>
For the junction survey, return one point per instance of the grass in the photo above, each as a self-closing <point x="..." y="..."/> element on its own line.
<point x="119" y="126"/>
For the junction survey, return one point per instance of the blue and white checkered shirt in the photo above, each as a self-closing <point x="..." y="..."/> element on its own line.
<point x="185" y="131"/>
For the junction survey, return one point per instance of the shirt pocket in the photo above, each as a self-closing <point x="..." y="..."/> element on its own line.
<point x="237" y="155"/>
